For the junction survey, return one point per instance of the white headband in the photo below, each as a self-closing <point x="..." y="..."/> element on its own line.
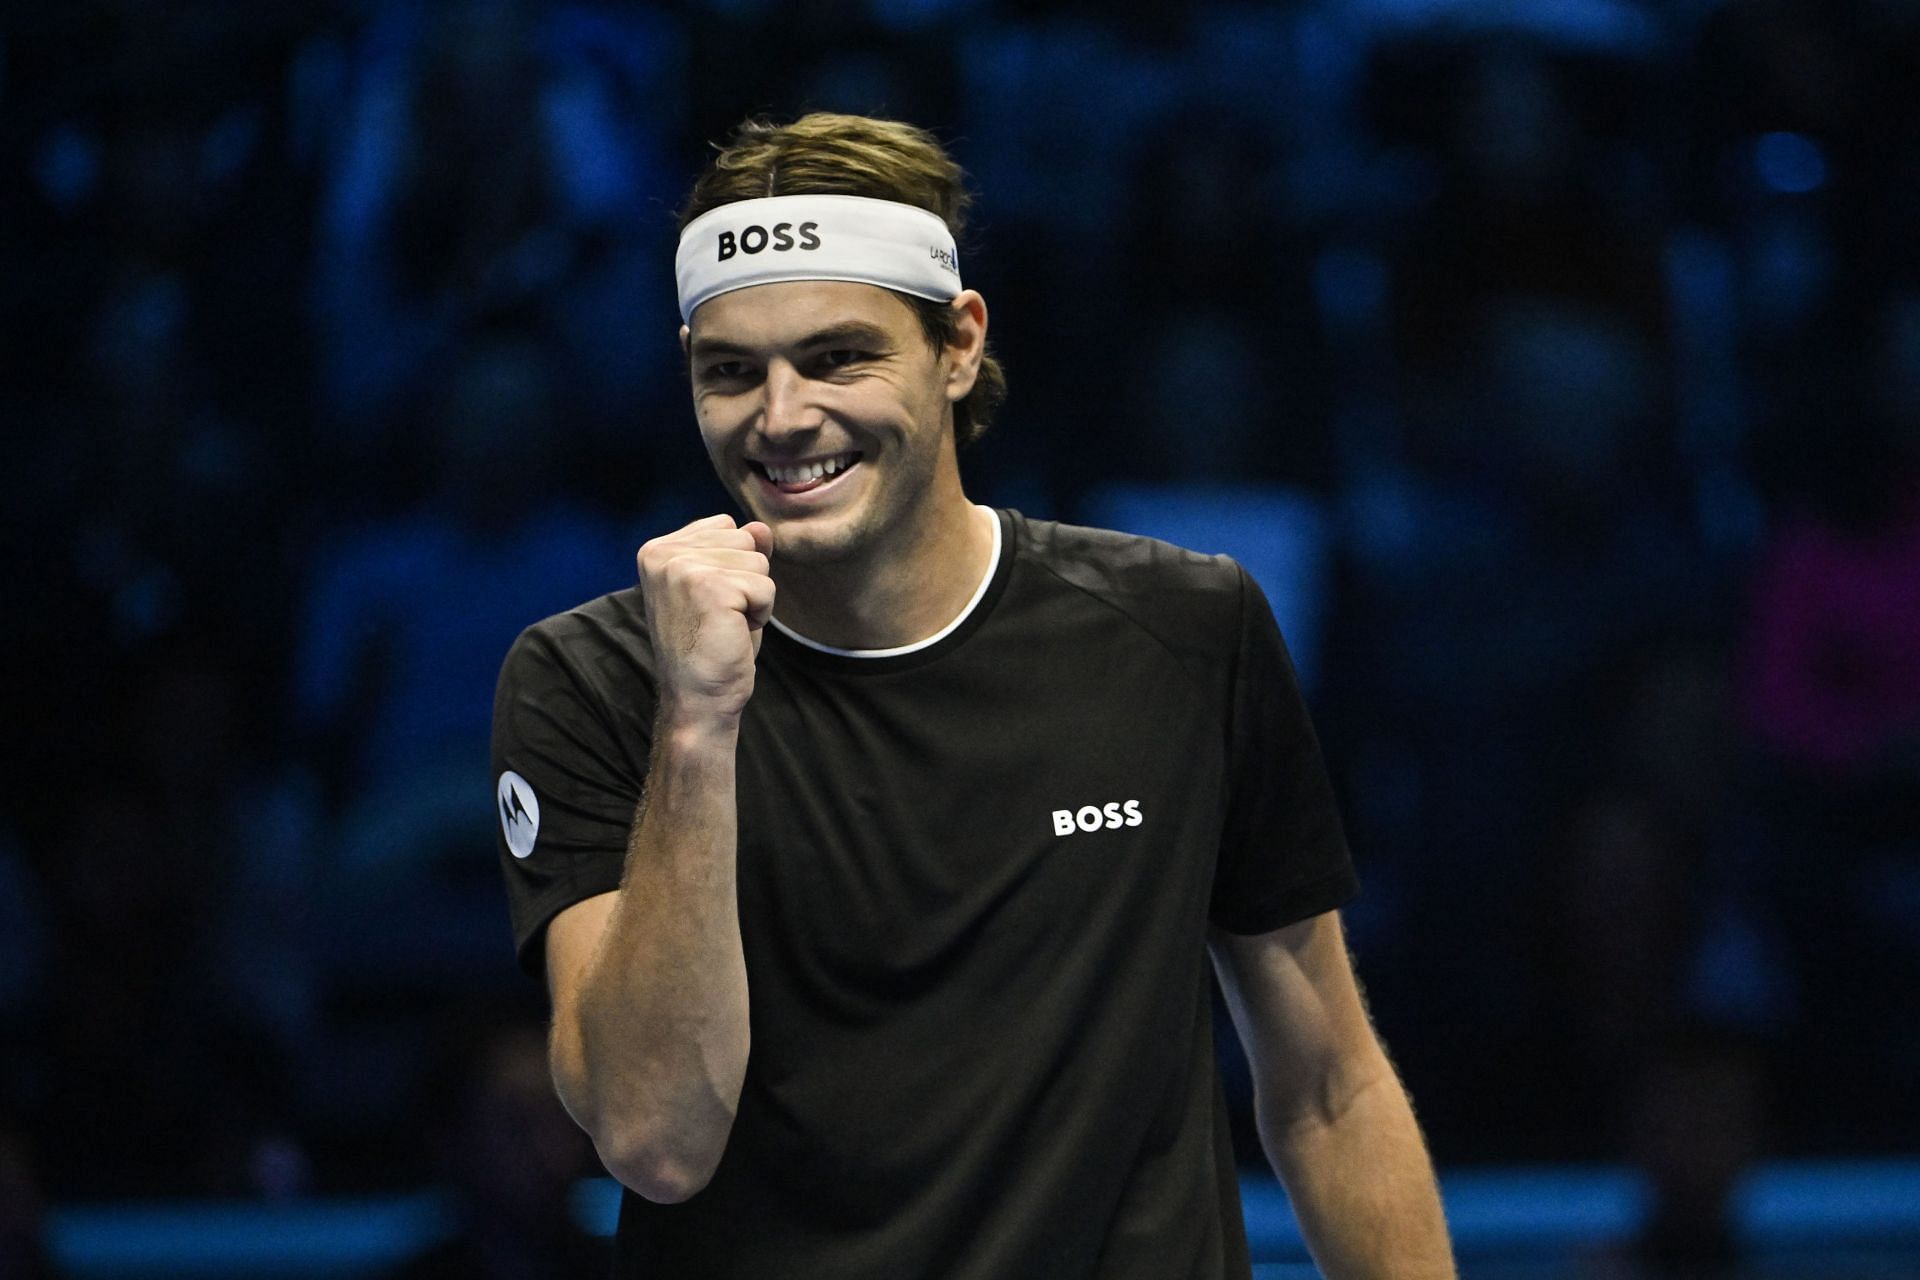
<point x="896" y="246"/>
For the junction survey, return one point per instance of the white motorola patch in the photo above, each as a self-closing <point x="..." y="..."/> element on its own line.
<point x="519" y="813"/>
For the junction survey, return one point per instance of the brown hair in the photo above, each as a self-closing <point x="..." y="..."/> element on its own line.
<point x="828" y="154"/>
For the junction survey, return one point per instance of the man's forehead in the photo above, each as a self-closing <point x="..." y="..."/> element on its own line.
<point x="788" y="311"/>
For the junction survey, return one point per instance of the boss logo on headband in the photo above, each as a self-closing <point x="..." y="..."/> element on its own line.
<point x="758" y="239"/>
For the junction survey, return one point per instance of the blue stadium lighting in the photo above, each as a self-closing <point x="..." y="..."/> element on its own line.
<point x="1789" y="163"/>
<point x="1539" y="1212"/>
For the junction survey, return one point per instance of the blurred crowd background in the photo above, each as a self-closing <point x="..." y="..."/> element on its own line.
<point x="1556" y="367"/>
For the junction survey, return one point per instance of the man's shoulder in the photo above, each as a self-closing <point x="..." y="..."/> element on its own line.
<point x="1183" y="596"/>
<point x="604" y="637"/>
<point x="1118" y="565"/>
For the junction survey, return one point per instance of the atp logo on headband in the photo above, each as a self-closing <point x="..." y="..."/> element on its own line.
<point x="756" y="239"/>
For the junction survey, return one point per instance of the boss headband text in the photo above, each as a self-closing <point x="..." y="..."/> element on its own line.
<point x="816" y="237"/>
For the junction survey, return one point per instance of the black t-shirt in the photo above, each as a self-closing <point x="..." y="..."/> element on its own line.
<point x="975" y="880"/>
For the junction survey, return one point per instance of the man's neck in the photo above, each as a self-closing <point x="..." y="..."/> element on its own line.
<point x="900" y="595"/>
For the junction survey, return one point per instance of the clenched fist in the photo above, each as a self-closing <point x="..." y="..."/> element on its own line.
<point x="708" y="592"/>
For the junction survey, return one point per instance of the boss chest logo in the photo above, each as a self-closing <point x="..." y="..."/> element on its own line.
<point x="755" y="239"/>
<point x="1095" y="817"/>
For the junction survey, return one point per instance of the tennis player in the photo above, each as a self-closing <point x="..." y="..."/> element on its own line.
<point x="880" y="849"/>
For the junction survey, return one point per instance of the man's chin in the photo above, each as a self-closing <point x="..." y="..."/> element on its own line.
<point x="810" y="540"/>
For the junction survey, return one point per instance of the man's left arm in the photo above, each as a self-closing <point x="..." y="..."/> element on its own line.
<point x="1333" y="1115"/>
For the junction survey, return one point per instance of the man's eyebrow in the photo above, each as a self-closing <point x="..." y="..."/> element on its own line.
<point x="850" y="333"/>
<point x="856" y="333"/>
<point x="716" y="347"/>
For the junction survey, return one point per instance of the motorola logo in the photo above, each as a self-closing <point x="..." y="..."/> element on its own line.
<point x="519" y="813"/>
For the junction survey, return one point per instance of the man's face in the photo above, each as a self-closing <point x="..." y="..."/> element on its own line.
<point x="825" y="410"/>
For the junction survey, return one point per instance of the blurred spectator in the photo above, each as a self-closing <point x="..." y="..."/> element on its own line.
<point x="1531" y="537"/>
<point x="404" y="619"/>
<point x="1204" y="406"/>
<point x="1626" y="921"/>
<point x="1051" y="109"/>
<point x="1697" y="1123"/>
<point x="502" y="166"/>
<point x="513" y="1158"/>
<point x="1697" y="1127"/>
<point x="1675" y="727"/>
<point x="875" y="57"/>
<point x="1657" y="920"/>
<point x="1828" y="82"/>
<point x="1837" y="640"/>
<point x="143" y="1005"/>
<point x="23" y="1246"/>
<point x="1538" y="183"/>
<point x="1834" y="660"/>
<point x="23" y="959"/>
<point x="1221" y="362"/>
<point x="157" y="328"/>
<point x="1832" y="693"/>
<point x="142" y="1042"/>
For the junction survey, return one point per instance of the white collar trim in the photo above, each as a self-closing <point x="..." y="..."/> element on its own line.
<point x="993" y="563"/>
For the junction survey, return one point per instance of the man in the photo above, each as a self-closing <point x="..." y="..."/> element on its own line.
<point x="875" y="847"/>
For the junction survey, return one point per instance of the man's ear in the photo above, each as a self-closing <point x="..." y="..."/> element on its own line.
<point x="686" y="337"/>
<point x="968" y="345"/>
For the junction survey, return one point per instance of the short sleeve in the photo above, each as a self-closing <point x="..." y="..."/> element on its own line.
<point x="568" y="765"/>
<point x="1283" y="853"/>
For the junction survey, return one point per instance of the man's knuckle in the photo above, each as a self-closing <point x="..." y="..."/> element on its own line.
<point x="714" y="592"/>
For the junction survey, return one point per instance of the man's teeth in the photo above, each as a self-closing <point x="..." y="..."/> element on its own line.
<point x="805" y="471"/>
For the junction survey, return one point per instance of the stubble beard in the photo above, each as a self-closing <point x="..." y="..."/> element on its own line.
<point x="878" y="526"/>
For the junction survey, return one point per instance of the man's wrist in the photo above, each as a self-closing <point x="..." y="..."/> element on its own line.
<point x="696" y="733"/>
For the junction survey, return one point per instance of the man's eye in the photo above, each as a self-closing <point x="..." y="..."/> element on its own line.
<point x="725" y="370"/>
<point x="840" y="359"/>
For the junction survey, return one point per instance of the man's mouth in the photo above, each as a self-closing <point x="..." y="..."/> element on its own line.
<point x="803" y="477"/>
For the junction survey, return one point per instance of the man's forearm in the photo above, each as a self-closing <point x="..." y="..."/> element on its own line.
<point x="661" y="1023"/>
<point x="1357" y="1173"/>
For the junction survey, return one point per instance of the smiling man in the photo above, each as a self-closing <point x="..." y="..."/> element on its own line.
<point x="876" y="843"/>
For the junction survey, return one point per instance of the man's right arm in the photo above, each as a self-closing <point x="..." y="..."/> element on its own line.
<point x="649" y="984"/>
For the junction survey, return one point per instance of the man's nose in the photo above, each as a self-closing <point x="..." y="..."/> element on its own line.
<point x="790" y="407"/>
